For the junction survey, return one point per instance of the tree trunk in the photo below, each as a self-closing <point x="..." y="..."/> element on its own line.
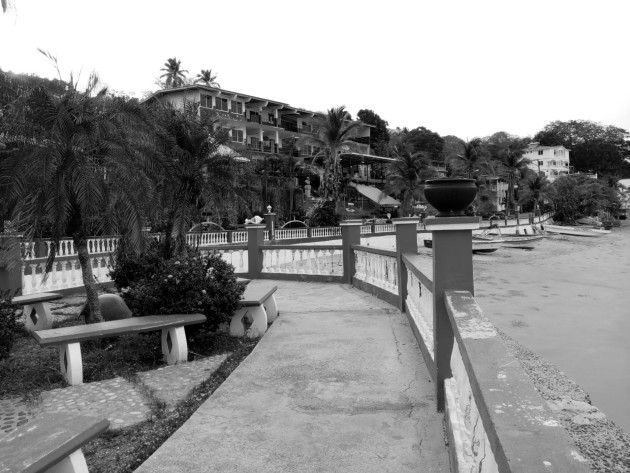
<point x="93" y="313"/>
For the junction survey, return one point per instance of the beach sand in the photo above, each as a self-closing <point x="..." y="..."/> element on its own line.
<point x="568" y="300"/>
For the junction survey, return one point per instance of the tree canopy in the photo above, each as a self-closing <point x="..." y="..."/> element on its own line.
<point x="604" y="149"/>
<point x="379" y="136"/>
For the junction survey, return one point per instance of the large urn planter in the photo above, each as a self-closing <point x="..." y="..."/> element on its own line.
<point x="450" y="196"/>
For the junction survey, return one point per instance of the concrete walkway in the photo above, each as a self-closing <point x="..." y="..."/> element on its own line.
<point x="336" y="385"/>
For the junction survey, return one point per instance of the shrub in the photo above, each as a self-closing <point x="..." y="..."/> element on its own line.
<point x="185" y="285"/>
<point x="8" y="324"/>
<point x="325" y="215"/>
<point x="129" y="268"/>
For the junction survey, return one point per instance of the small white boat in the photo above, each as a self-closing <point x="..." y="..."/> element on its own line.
<point x="478" y="246"/>
<point x="510" y="240"/>
<point x="576" y="231"/>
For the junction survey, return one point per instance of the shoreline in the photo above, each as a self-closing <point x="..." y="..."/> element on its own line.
<point x="598" y="438"/>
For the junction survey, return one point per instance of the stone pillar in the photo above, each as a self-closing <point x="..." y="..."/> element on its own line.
<point x="270" y="222"/>
<point x="406" y="242"/>
<point x="350" y="235"/>
<point x="255" y="238"/>
<point x="452" y="271"/>
<point x="10" y="265"/>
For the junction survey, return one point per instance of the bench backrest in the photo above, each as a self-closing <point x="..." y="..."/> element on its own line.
<point x="45" y="441"/>
<point x="80" y="333"/>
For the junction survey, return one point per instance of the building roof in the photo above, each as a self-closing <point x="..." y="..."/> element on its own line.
<point x="376" y="195"/>
<point x="536" y="147"/>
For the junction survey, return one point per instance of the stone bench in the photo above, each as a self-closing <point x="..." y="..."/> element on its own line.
<point x="37" y="310"/>
<point x="259" y="306"/>
<point x="69" y="339"/>
<point x="50" y="444"/>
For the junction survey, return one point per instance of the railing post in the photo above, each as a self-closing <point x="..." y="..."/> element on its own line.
<point x="10" y="265"/>
<point x="406" y="242"/>
<point x="452" y="271"/>
<point x="255" y="238"/>
<point x="230" y="236"/>
<point x="270" y="222"/>
<point x="309" y="232"/>
<point x="350" y="235"/>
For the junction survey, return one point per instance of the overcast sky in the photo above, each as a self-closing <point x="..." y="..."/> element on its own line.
<point x="468" y="68"/>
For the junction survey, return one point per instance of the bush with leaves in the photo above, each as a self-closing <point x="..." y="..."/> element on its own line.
<point x="8" y="324"/>
<point x="325" y="215"/>
<point x="188" y="284"/>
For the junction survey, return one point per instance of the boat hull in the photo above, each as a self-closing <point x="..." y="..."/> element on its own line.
<point x="477" y="246"/>
<point x="576" y="231"/>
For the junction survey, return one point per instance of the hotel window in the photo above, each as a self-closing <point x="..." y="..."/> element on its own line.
<point x="553" y="163"/>
<point x="540" y="163"/>
<point x="558" y="152"/>
<point x="221" y="104"/>
<point x="206" y="101"/>
<point x="237" y="107"/>
<point x="540" y="153"/>
<point x="237" y="135"/>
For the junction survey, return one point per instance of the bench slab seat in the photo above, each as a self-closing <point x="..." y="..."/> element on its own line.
<point x="259" y="305"/>
<point x="50" y="443"/>
<point x="174" y="345"/>
<point x="37" y="310"/>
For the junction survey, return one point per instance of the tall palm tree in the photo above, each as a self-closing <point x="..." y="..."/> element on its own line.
<point x="472" y="158"/>
<point x="406" y="175"/>
<point x="77" y="170"/>
<point x="512" y="167"/>
<point x="537" y="188"/>
<point x="334" y="136"/>
<point x="188" y="147"/>
<point x="174" y="74"/>
<point x="207" y="78"/>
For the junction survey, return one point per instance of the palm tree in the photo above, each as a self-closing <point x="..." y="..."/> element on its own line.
<point x="334" y="133"/>
<point x="406" y="175"/>
<point x="512" y="167"/>
<point x="472" y="159"/>
<point x="174" y="75"/>
<point x="537" y="188"/>
<point x="76" y="170"/>
<point x="207" y="78"/>
<point x="192" y="165"/>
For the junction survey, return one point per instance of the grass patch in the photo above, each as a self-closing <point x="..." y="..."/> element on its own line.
<point x="126" y="449"/>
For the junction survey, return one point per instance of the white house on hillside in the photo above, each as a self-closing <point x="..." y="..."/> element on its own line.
<point x="553" y="161"/>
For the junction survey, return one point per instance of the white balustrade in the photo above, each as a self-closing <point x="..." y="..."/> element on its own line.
<point x="302" y="260"/>
<point x="239" y="237"/>
<point x="65" y="273"/>
<point x="420" y="306"/>
<point x="291" y="233"/>
<point x="204" y="239"/>
<point x="377" y="269"/>
<point x="235" y="257"/>
<point x="366" y="229"/>
<point x="325" y="231"/>
<point x="384" y="228"/>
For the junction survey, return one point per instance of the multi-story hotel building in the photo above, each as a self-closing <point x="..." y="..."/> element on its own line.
<point x="553" y="161"/>
<point x="260" y="125"/>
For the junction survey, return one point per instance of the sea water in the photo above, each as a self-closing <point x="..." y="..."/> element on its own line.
<point x="568" y="300"/>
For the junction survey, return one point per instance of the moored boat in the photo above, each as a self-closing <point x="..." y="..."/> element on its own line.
<point x="478" y="246"/>
<point x="576" y="231"/>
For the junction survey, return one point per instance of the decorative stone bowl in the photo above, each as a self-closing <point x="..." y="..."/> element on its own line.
<point x="450" y="196"/>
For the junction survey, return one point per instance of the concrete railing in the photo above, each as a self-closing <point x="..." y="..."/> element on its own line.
<point x="496" y="420"/>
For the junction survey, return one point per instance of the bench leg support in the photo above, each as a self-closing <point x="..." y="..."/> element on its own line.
<point x="71" y="363"/>
<point x="174" y="345"/>
<point x="38" y="316"/>
<point x="73" y="463"/>
<point x="258" y="316"/>
<point x="271" y="306"/>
